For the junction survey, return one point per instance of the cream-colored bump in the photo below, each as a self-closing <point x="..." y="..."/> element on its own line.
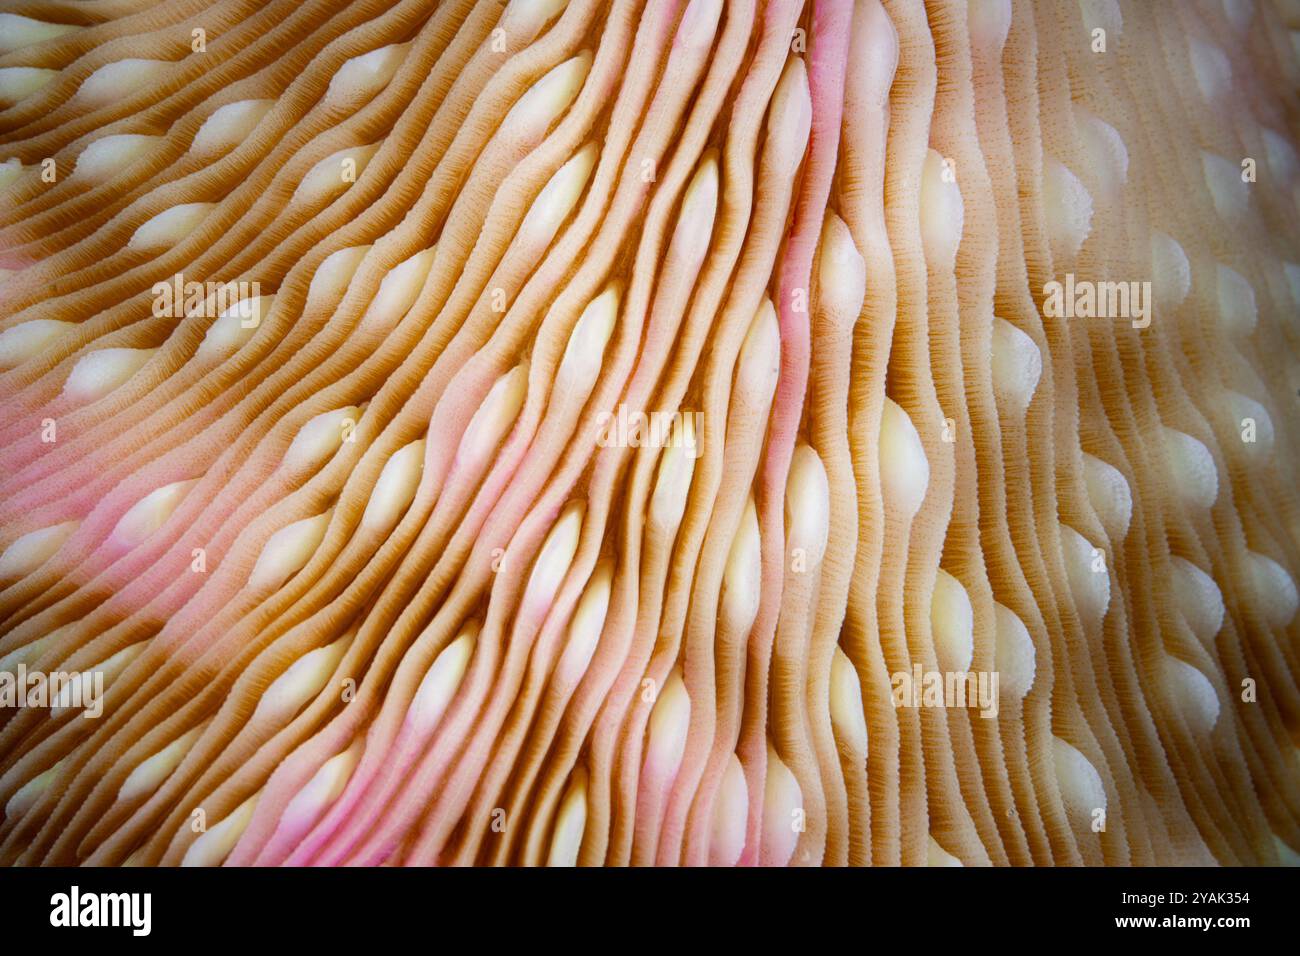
<point x="395" y="488"/>
<point x="440" y="682"/>
<point x="367" y="74"/>
<point x="287" y="551"/>
<point x="1013" y="654"/>
<point x="1291" y="272"/>
<point x="587" y="624"/>
<point x="169" y="227"/>
<point x="841" y="272"/>
<point x="1238" y="312"/>
<point x="1109" y="494"/>
<point x="935" y="855"/>
<point x="1193" y="473"/>
<point x="301" y="681"/>
<point x="10" y="170"/>
<point x="904" y="469"/>
<point x="28" y="653"/>
<point x="807" y="508"/>
<point x="215" y="844"/>
<point x="1067" y="209"/>
<point x="730" y="816"/>
<point x="666" y="731"/>
<point x="585" y="350"/>
<point x="228" y="126"/>
<point x="699" y="208"/>
<point x="1088" y="573"/>
<point x="316" y="796"/>
<point x="848" y="715"/>
<point x="1231" y="194"/>
<point x="1239" y="13"/>
<point x="19" y="82"/>
<point x="333" y="174"/>
<point x="570" y="822"/>
<point x="676" y="469"/>
<point x="1252" y="424"/>
<point x="531" y="15"/>
<point x="17" y="31"/>
<point x="149" y="513"/>
<point x="399" y="290"/>
<point x="1211" y="67"/>
<point x="1171" y="272"/>
<point x="1198" y="598"/>
<point x="789" y="117"/>
<point x="235" y="326"/>
<point x="1017" y="365"/>
<point x="941" y="210"/>
<point x="100" y="372"/>
<point x="23" y="341"/>
<point x="1103" y="14"/>
<point x="699" y="23"/>
<point x="83" y="688"/>
<point x="320" y="437"/>
<point x="550" y="96"/>
<point x="114" y="82"/>
<point x="557" y="198"/>
<point x="742" y="576"/>
<point x="25" y="797"/>
<point x="1082" y="790"/>
<point x="150" y="773"/>
<point x="330" y="280"/>
<point x="1105" y="157"/>
<point x="33" y="549"/>
<point x="553" y="560"/>
<point x="782" y="812"/>
<point x="989" y="22"/>
<point x="106" y="157"/>
<point x="494" y="417"/>
<point x="1283" y="162"/>
<point x="1192" y="693"/>
<point x="1285" y="855"/>
<point x="1273" y="590"/>
<point x="952" y="623"/>
<point x="759" y="366"/>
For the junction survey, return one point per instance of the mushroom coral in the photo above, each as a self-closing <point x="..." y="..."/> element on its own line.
<point x="598" y="432"/>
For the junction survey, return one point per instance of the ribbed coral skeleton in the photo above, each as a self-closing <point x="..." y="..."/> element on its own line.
<point x="974" y="321"/>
